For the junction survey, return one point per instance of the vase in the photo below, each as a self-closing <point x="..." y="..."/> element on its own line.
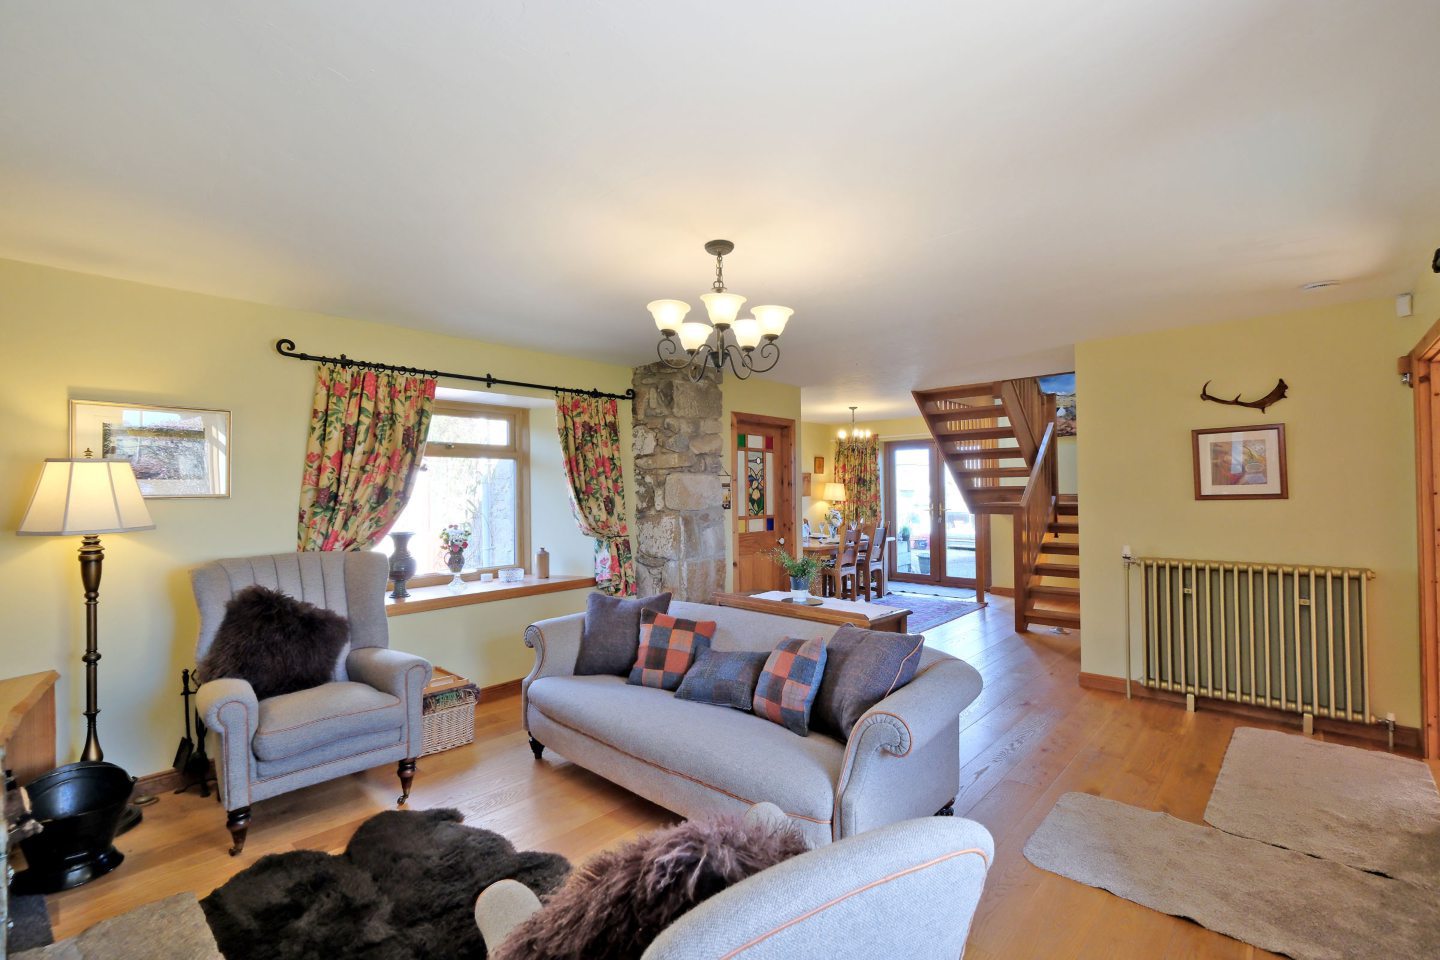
<point x="799" y="589"/>
<point x="455" y="560"/>
<point x="402" y="565"/>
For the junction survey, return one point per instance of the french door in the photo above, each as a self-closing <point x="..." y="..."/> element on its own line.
<point x="937" y="540"/>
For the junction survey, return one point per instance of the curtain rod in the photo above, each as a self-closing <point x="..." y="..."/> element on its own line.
<point x="286" y="348"/>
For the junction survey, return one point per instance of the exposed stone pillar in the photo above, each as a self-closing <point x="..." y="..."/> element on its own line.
<point x="679" y="448"/>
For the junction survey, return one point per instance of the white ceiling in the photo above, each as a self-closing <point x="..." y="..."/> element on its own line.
<point x="942" y="190"/>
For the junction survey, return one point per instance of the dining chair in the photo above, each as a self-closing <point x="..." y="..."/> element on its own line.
<point x="845" y="567"/>
<point x="872" y="571"/>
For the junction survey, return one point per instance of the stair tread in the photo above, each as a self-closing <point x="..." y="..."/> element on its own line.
<point x="984" y="453"/>
<point x="1052" y="618"/>
<point x="963" y="390"/>
<point x="1060" y="526"/>
<point x="1060" y="546"/>
<point x="996" y="472"/>
<point x="1048" y="590"/>
<point x="979" y="433"/>
<point x="1046" y="568"/>
<point x="988" y="411"/>
<point x="1067" y="508"/>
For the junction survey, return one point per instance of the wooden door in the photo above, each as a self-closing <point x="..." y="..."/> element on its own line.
<point x="762" y="512"/>
<point x="1422" y="366"/>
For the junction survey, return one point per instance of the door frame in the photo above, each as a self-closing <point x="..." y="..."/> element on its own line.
<point x="1422" y="367"/>
<point x="786" y="470"/>
<point x="938" y="575"/>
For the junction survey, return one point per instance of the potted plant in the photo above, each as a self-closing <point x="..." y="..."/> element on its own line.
<point x="801" y="570"/>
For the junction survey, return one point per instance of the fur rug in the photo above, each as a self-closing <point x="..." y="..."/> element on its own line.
<point x="404" y="889"/>
<point x="614" y="906"/>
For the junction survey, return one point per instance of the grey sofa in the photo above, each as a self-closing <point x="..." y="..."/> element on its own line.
<point x="370" y="714"/>
<point x="905" y="890"/>
<point x="901" y="760"/>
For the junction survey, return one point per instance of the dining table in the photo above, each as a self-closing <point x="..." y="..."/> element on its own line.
<point x="825" y="547"/>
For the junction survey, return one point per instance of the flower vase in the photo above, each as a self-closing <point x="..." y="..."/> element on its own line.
<point x="799" y="589"/>
<point x="402" y="565"/>
<point x="455" y="560"/>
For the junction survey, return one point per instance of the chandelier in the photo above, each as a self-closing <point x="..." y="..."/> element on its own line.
<point x="855" y="434"/>
<point x="748" y="344"/>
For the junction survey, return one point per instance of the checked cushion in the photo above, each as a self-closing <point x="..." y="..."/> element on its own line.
<point x="667" y="648"/>
<point x="789" y="683"/>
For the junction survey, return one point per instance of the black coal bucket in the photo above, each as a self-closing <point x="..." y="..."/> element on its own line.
<point x="79" y="805"/>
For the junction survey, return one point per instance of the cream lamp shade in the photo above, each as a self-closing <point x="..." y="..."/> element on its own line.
<point x="693" y="334"/>
<point x="82" y="496"/>
<point x="723" y="308"/>
<point x="668" y="314"/>
<point x="834" y="492"/>
<point x="772" y="319"/>
<point x="747" y="333"/>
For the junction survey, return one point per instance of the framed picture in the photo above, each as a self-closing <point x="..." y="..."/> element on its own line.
<point x="176" y="451"/>
<point x="1240" y="463"/>
<point x="819" y="464"/>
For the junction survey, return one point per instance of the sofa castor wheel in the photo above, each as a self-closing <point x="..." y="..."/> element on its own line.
<point x="946" y="811"/>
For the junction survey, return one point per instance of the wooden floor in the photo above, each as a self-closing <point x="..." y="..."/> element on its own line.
<point x="1031" y="736"/>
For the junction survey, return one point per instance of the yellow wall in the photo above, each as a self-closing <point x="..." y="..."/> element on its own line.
<point x="1351" y="466"/>
<point x="71" y="335"/>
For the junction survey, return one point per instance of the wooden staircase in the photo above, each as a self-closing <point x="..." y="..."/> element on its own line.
<point x="998" y="441"/>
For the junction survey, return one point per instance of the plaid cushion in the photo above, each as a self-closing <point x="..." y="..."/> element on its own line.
<point x="667" y="648"/>
<point x="789" y="683"/>
<point x="726" y="679"/>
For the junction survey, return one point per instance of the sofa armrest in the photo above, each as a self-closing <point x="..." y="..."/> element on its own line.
<point x="898" y="726"/>
<point x="556" y="643"/>
<point x="229" y="708"/>
<point x="924" y="877"/>
<point x="402" y="675"/>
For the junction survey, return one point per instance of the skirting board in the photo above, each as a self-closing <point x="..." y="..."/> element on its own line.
<point x="1407" y="739"/>
<point x="166" y="781"/>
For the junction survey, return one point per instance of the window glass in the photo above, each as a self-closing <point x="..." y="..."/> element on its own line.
<point x="492" y="431"/>
<point x="480" y="493"/>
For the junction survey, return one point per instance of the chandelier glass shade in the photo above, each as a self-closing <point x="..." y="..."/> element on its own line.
<point x="747" y="344"/>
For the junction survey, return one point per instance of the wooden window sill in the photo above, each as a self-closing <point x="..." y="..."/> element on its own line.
<point x="440" y="597"/>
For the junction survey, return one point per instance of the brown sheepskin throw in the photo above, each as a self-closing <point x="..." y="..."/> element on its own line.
<point x="276" y="642"/>
<point x="614" y="906"/>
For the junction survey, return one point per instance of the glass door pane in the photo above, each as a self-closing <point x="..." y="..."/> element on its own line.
<point x="961" y="532"/>
<point x="913" y="473"/>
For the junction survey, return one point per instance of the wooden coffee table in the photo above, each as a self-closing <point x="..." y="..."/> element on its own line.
<point x="872" y="616"/>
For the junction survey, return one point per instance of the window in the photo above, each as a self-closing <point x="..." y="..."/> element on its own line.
<point x="474" y="474"/>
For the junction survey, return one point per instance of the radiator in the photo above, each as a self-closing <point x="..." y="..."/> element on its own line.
<point x="1289" y="638"/>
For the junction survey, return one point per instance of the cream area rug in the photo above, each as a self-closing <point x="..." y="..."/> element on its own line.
<point x="1271" y="898"/>
<point x="1374" y="811"/>
<point x="1323" y="851"/>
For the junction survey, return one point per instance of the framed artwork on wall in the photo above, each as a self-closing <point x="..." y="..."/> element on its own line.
<point x="819" y="464"/>
<point x="1240" y="463"/>
<point x="177" y="452"/>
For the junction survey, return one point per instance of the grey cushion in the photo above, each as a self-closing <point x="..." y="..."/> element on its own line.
<point x="726" y="679"/>
<point x="611" y="635"/>
<point x="295" y="723"/>
<point x="725" y="750"/>
<point x="862" y="667"/>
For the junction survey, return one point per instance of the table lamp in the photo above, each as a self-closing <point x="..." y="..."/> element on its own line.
<point x="86" y="497"/>
<point x="834" y="492"/>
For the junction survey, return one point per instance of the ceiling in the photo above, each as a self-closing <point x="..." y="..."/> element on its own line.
<point x="944" y="191"/>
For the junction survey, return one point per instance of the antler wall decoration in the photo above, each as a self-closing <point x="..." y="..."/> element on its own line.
<point x="1274" y="396"/>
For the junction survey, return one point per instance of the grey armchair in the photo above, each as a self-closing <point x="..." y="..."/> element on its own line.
<point x="368" y="715"/>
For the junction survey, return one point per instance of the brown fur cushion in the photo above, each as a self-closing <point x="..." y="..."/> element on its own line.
<point x="614" y="906"/>
<point x="276" y="642"/>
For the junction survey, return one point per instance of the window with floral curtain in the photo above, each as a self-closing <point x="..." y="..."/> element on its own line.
<point x="857" y="466"/>
<point x="590" y="440"/>
<point x="367" y="435"/>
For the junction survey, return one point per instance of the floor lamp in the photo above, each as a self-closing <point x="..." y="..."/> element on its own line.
<point x="86" y="497"/>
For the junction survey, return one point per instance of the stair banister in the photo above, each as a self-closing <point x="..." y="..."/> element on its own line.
<point x="1037" y="506"/>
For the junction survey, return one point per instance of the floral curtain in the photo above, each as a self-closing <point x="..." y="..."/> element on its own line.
<point x="367" y="438"/>
<point x="857" y="466"/>
<point x="590" y="441"/>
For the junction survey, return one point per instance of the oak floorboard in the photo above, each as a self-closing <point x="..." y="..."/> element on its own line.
<point x="1031" y="736"/>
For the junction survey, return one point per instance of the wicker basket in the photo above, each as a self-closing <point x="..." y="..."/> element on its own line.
<point x="449" y="712"/>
